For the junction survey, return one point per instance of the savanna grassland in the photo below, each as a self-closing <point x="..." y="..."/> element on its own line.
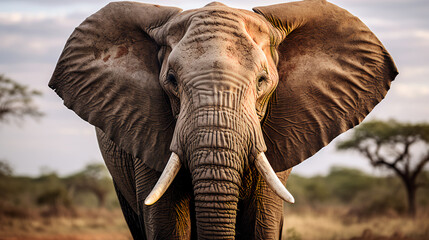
<point x="94" y="224"/>
<point x="345" y="204"/>
<point x="337" y="223"/>
<point x="348" y="204"/>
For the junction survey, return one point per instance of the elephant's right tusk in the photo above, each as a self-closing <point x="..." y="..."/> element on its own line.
<point x="271" y="178"/>
<point x="167" y="177"/>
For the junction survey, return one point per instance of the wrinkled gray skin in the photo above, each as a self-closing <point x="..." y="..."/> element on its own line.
<point x="217" y="86"/>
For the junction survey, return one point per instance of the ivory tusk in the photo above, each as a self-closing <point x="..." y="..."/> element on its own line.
<point x="167" y="177"/>
<point x="271" y="178"/>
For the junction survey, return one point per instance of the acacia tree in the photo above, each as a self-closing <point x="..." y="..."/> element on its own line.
<point x="95" y="179"/>
<point x="16" y="100"/>
<point x="400" y="147"/>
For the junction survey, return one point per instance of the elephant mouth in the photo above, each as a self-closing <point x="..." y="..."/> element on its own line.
<point x="261" y="163"/>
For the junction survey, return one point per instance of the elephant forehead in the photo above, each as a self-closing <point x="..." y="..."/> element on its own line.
<point x="220" y="37"/>
<point x="214" y="22"/>
<point x="229" y="23"/>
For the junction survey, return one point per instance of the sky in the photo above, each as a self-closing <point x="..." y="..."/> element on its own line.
<point x="33" y="34"/>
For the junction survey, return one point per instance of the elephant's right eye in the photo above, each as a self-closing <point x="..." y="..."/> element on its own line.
<point x="171" y="84"/>
<point x="172" y="79"/>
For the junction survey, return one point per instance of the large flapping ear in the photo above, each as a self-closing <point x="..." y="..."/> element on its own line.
<point x="108" y="74"/>
<point x="332" y="72"/>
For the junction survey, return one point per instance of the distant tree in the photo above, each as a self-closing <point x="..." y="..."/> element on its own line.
<point x="55" y="198"/>
<point x="95" y="179"/>
<point x="345" y="183"/>
<point x="6" y="189"/>
<point x="388" y="144"/>
<point x="53" y="195"/>
<point x="5" y="169"/>
<point x="16" y="101"/>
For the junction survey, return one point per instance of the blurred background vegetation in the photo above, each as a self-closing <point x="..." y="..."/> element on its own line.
<point x="349" y="201"/>
<point x="361" y="194"/>
<point x="52" y="195"/>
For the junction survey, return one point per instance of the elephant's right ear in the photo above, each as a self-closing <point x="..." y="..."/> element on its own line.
<point x="108" y="73"/>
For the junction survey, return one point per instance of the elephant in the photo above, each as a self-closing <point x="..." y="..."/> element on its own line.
<point x="201" y="114"/>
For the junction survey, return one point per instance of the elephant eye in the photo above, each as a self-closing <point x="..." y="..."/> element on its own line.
<point x="261" y="80"/>
<point x="172" y="79"/>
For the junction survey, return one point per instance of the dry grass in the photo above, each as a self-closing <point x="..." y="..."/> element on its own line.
<point x="335" y="223"/>
<point x="86" y="225"/>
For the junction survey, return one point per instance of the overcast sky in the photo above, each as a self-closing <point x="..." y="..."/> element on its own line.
<point x="33" y="33"/>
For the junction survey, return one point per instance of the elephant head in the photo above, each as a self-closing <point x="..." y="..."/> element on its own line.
<point x="222" y="90"/>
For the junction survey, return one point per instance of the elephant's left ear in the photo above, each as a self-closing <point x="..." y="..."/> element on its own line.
<point x="108" y="74"/>
<point x="332" y="72"/>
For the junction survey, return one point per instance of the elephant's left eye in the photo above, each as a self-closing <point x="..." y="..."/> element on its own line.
<point x="261" y="81"/>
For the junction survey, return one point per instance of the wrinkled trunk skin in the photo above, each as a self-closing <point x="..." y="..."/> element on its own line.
<point x="217" y="155"/>
<point x="216" y="189"/>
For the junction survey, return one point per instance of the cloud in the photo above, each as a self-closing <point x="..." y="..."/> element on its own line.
<point x="419" y="72"/>
<point x="34" y="37"/>
<point x="418" y="35"/>
<point x="412" y="91"/>
<point x="422" y="34"/>
<point x="14" y="18"/>
<point x="36" y="45"/>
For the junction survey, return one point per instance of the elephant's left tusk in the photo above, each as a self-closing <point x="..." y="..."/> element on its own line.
<point x="271" y="178"/>
<point x="167" y="177"/>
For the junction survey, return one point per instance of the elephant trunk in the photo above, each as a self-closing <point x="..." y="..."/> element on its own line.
<point x="217" y="153"/>
<point x="216" y="181"/>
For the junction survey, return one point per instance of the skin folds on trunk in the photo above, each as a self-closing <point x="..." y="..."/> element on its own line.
<point x="216" y="180"/>
<point x="216" y="191"/>
<point x="216" y="159"/>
